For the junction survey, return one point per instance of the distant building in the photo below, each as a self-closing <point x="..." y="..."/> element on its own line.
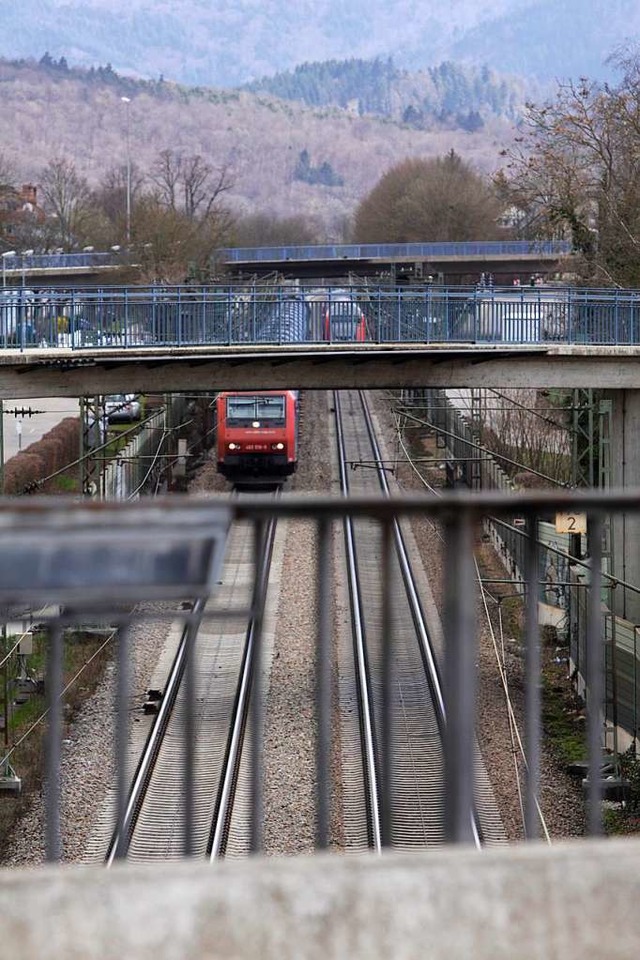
<point x="19" y="209"/>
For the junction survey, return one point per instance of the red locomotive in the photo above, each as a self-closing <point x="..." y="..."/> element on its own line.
<point x="257" y="434"/>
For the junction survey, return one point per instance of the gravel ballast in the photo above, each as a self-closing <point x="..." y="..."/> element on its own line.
<point x="87" y="762"/>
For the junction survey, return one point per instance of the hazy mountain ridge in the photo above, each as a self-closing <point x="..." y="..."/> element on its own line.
<point x="447" y="94"/>
<point x="572" y="38"/>
<point x="237" y="41"/>
<point x="282" y="157"/>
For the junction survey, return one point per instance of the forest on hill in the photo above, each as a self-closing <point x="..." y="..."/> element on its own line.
<point x="280" y="157"/>
<point x="448" y="95"/>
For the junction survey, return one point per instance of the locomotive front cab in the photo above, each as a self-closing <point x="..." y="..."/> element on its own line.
<point x="257" y="436"/>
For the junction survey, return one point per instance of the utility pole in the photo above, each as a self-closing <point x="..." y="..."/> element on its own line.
<point x="127" y="102"/>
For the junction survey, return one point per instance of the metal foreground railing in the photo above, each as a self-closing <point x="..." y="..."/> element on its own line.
<point x="244" y="313"/>
<point x="76" y="564"/>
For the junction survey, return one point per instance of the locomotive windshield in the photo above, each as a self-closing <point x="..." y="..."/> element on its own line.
<point x="243" y="411"/>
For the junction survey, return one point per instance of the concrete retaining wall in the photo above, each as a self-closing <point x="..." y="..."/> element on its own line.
<point x="525" y="902"/>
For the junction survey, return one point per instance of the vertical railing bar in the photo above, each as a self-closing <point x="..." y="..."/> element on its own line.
<point x="53" y="745"/>
<point x="122" y="739"/>
<point x="189" y="740"/>
<point x="323" y="687"/>
<point x="459" y="677"/>
<point x="254" y="296"/>
<point x="595" y="677"/>
<point x="532" y="681"/>
<point x="388" y="682"/>
<point x="257" y="614"/>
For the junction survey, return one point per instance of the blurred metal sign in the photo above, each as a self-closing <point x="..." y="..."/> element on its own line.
<point x="92" y="553"/>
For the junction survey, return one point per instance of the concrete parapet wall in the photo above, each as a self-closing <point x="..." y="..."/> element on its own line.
<point x="525" y="902"/>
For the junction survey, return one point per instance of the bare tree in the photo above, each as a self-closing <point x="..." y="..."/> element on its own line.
<point x="110" y="199"/>
<point x="112" y="192"/>
<point x="189" y="179"/>
<point x="173" y="246"/>
<point x="67" y="199"/>
<point x="532" y="440"/>
<point x="575" y="171"/>
<point x="166" y="175"/>
<point x="182" y="221"/>
<point x="203" y="186"/>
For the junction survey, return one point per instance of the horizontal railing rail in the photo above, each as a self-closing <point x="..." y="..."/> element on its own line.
<point x="56" y="261"/>
<point x="417" y="251"/>
<point x="542" y="249"/>
<point x="99" y="559"/>
<point x="237" y="313"/>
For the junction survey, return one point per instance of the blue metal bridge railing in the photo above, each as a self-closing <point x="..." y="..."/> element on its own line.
<point x="248" y="314"/>
<point x="55" y="261"/>
<point x="14" y="262"/>
<point x="417" y="251"/>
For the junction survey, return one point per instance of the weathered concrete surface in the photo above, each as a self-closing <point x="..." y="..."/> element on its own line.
<point x="64" y="372"/>
<point x="522" y="903"/>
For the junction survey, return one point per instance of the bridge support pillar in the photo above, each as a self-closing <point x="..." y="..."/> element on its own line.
<point x="624" y="471"/>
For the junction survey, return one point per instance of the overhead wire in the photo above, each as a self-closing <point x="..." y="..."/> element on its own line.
<point x="68" y="686"/>
<point x="102" y="646"/>
<point x="91" y="454"/>
<point x="483" y="449"/>
<point x="513" y="725"/>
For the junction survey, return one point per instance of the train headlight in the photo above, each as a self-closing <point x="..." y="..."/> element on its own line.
<point x="234" y="446"/>
<point x="278" y="446"/>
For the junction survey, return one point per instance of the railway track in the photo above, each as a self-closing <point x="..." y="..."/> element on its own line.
<point x="190" y="792"/>
<point x="393" y="753"/>
<point x="402" y="713"/>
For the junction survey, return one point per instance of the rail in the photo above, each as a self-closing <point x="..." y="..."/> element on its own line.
<point x="126" y="819"/>
<point x="92" y="559"/>
<point x="402" y="677"/>
<point x="248" y="704"/>
<point x="370" y="758"/>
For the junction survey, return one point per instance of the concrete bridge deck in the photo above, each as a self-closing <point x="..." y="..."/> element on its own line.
<point x="66" y="372"/>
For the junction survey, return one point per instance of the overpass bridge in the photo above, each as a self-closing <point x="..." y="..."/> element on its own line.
<point x="503" y="260"/>
<point x="408" y="262"/>
<point x="114" y="339"/>
<point x="65" y="372"/>
<point x="61" y="268"/>
<point x="251" y="336"/>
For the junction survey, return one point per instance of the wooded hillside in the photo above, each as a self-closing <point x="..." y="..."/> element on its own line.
<point x="282" y="157"/>
<point x="449" y="95"/>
